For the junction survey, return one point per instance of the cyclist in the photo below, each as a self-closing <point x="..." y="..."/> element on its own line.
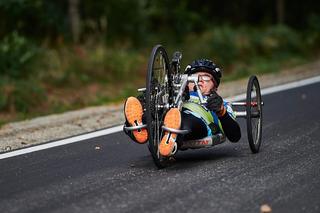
<point x="201" y="121"/>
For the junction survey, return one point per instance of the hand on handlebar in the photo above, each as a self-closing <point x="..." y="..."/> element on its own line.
<point x="215" y="104"/>
<point x="186" y="95"/>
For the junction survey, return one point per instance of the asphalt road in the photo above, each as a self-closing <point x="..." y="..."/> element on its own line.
<point x="112" y="174"/>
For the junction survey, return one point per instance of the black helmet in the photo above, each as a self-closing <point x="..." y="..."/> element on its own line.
<point x="204" y="65"/>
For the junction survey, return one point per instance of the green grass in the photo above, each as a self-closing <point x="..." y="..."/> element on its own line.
<point x="49" y="80"/>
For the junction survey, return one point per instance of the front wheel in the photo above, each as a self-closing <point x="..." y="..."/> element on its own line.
<point x="158" y="84"/>
<point x="254" y="114"/>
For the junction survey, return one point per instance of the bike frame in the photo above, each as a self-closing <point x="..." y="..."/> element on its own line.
<point x="183" y="82"/>
<point x="179" y="85"/>
<point x="174" y="98"/>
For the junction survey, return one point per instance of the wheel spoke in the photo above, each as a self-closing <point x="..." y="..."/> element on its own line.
<point x="254" y="114"/>
<point x="157" y="90"/>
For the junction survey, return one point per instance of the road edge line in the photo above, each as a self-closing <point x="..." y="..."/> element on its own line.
<point x="61" y="142"/>
<point x="98" y="133"/>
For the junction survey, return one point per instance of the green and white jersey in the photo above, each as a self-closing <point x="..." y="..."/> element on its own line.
<point x="193" y="106"/>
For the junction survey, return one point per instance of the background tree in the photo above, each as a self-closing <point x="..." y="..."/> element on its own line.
<point x="74" y="19"/>
<point x="280" y="11"/>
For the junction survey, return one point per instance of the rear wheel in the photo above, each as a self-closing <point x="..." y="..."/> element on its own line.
<point x="254" y="114"/>
<point x="158" y="100"/>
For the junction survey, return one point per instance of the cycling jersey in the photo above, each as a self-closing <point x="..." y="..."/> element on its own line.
<point x="225" y="124"/>
<point x="193" y="107"/>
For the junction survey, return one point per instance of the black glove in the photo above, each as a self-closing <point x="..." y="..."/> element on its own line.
<point x="215" y="102"/>
<point x="185" y="94"/>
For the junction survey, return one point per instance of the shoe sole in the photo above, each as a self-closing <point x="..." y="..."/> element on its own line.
<point x="133" y="112"/>
<point x="168" y="142"/>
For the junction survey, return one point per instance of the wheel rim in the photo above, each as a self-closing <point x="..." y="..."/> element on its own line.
<point x="254" y="114"/>
<point x="157" y="100"/>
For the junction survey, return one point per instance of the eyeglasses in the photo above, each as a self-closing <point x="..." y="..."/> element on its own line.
<point x="205" y="78"/>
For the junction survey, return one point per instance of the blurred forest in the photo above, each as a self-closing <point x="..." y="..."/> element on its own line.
<point x="67" y="54"/>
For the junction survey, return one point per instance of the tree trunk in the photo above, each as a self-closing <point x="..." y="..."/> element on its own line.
<point x="74" y="20"/>
<point x="280" y="4"/>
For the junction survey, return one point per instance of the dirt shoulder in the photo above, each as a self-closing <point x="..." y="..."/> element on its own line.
<point x="53" y="127"/>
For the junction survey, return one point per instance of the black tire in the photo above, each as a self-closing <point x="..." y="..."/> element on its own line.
<point x="158" y="99"/>
<point x="254" y="114"/>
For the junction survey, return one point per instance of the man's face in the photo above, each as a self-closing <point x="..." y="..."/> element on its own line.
<point x="206" y="83"/>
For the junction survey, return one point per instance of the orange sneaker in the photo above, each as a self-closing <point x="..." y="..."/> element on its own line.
<point x="133" y="112"/>
<point x="168" y="143"/>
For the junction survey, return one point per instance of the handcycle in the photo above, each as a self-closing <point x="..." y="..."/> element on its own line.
<point x="164" y="89"/>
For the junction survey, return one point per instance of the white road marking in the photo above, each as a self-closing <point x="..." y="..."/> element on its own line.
<point x="62" y="142"/>
<point x="279" y="88"/>
<point x="119" y="128"/>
